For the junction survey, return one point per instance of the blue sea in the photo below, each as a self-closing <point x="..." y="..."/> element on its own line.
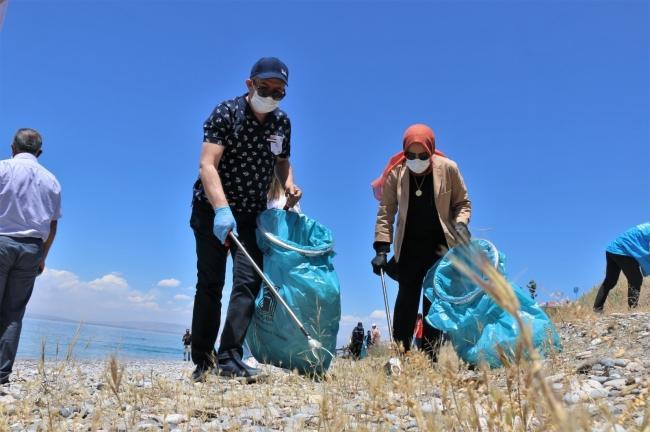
<point x="95" y="341"/>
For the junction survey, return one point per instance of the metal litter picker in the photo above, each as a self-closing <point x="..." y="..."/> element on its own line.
<point x="393" y="366"/>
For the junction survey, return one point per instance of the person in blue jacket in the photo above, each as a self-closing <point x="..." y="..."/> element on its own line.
<point x="629" y="253"/>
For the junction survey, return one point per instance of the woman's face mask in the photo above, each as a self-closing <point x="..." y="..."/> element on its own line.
<point x="418" y="159"/>
<point x="418" y="166"/>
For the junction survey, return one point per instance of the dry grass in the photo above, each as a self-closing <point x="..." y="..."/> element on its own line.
<point x="354" y="395"/>
<point x="616" y="303"/>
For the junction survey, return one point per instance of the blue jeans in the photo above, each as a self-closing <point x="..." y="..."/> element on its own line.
<point x="19" y="260"/>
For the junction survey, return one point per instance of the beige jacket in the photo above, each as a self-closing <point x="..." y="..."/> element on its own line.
<point x="449" y="191"/>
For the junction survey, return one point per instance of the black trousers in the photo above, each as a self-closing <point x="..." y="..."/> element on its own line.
<point x="632" y="271"/>
<point x="414" y="263"/>
<point x="211" y="257"/>
<point x="355" y="349"/>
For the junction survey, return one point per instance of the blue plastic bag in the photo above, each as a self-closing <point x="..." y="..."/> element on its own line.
<point x="298" y="254"/>
<point x="475" y="324"/>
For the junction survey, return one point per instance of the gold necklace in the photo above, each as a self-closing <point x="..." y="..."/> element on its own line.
<point x="418" y="193"/>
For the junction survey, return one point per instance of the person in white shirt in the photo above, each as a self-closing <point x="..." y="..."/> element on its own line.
<point x="30" y="206"/>
<point x="375" y="334"/>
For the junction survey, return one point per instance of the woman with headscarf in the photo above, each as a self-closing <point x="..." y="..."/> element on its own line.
<point x="426" y="192"/>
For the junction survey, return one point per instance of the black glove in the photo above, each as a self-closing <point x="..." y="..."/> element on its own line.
<point x="379" y="262"/>
<point x="464" y="235"/>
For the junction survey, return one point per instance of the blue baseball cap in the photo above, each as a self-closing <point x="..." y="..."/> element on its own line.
<point x="270" y="67"/>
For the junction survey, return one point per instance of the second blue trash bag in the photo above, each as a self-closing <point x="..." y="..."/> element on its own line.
<point x="298" y="254"/>
<point x="475" y="324"/>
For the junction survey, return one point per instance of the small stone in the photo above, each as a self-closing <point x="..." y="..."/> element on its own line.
<point x="583" y="355"/>
<point x="595" y="393"/>
<point x="87" y="409"/>
<point x="147" y="425"/>
<point x="607" y="362"/>
<point x="594" y="384"/>
<point x="634" y="367"/>
<point x="596" y="341"/>
<point x="435" y="406"/>
<point x="621" y="362"/>
<point x="174" y="419"/>
<point x="600" y="379"/>
<point x="616" y="383"/>
<point x="593" y="409"/>
<point x="391" y="418"/>
<point x="557" y="387"/>
<point x="573" y="398"/>
<point x="66" y="412"/>
<point x="555" y="378"/>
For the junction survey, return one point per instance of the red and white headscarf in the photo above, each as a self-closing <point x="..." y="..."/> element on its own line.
<point x="417" y="133"/>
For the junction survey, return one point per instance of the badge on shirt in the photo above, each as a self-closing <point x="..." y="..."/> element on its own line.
<point x="276" y="143"/>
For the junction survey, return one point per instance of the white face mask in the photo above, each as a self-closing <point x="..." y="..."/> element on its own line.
<point x="263" y="105"/>
<point x="418" y="166"/>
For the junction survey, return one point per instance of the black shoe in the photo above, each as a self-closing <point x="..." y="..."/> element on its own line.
<point x="200" y="373"/>
<point x="233" y="367"/>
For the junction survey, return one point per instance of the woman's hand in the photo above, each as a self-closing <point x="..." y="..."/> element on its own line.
<point x="294" y="194"/>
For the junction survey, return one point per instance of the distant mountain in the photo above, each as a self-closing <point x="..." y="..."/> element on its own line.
<point x="159" y="327"/>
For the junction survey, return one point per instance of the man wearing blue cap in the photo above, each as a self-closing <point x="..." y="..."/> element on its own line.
<point x="246" y="142"/>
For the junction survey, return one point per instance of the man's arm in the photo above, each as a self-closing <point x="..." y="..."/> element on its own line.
<point x="210" y="157"/>
<point x="48" y="244"/>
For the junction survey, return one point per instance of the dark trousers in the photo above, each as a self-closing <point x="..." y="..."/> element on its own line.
<point x="211" y="257"/>
<point x="355" y="349"/>
<point x="19" y="260"/>
<point x="630" y="268"/>
<point x="414" y="263"/>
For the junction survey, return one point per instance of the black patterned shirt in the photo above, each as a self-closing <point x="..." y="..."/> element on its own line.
<point x="251" y="149"/>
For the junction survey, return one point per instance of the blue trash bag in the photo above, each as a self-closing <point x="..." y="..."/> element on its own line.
<point x="298" y="254"/>
<point x="475" y="324"/>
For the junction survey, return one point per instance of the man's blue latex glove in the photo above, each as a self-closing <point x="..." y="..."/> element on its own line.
<point x="224" y="222"/>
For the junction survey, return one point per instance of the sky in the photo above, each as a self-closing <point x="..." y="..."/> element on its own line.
<point x="545" y="106"/>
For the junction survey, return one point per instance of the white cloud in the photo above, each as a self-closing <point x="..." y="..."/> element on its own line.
<point x="141" y="298"/>
<point x="351" y="319"/>
<point x="169" y="283"/>
<point x="182" y="297"/>
<point x="109" y="282"/>
<point x="106" y="298"/>
<point x="378" y="314"/>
